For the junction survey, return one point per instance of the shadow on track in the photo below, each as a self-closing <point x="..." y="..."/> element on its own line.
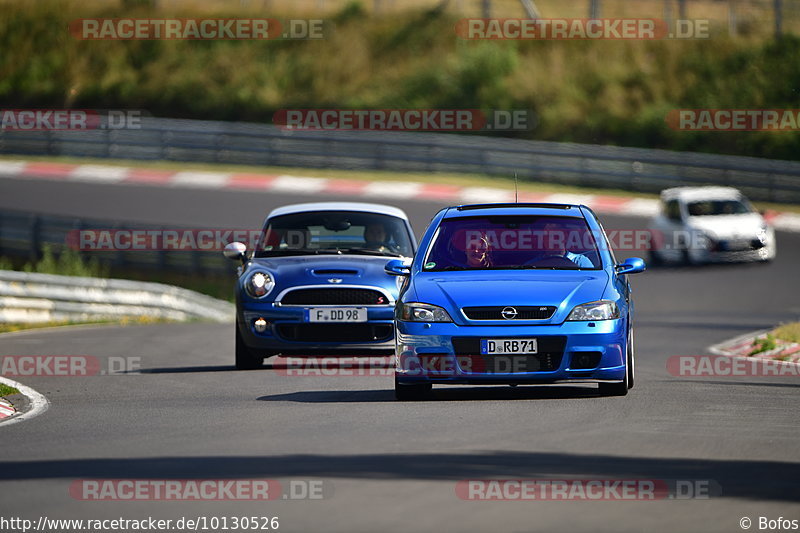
<point x="746" y="383"/>
<point x="348" y="362"/>
<point x="737" y="478"/>
<point x="449" y="394"/>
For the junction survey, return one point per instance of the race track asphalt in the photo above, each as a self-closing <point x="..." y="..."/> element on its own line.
<point x="388" y="466"/>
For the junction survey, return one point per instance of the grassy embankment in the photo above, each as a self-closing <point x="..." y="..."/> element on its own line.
<point x="610" y="92"/>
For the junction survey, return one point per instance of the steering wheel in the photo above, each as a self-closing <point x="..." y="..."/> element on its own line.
<point x="551" y="261"/>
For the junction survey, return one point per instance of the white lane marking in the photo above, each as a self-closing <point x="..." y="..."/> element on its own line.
<point x="298" y="184"/>
<point x="485" y="195"/>
<point x="393" y="189"/>
<point x="12" y="168"/>
<point x="204" y="180"/>
<point x="566" y="198"/>
<point x="39" y="403"/>
<point x="99" y="173"/>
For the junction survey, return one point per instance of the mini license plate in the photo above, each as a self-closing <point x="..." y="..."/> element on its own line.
<point x="336" y="314"/>
<point x="508" y="346"/>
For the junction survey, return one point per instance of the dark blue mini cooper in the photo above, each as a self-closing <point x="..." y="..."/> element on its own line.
<point x="316" y="282"/>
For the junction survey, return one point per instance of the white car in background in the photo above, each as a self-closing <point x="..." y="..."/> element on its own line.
<point x="708" y="224"/>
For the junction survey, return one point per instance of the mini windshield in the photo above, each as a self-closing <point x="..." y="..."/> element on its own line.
<point x="335" y="232"/>
<point x="717" y="207"/>
<point x="513" y="242"/>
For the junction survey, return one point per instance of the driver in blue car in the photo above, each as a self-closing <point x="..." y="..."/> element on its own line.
<point x="555" y="243"/>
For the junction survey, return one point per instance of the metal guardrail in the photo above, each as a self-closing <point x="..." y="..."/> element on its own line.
<point x="23" y="235"/>
<point x="30" y="297"/>
<point x="634" y="169"/>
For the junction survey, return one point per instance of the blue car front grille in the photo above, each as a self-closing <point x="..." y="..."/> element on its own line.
<point x="524" y="312"/>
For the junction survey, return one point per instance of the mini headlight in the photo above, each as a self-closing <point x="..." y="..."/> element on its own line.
<point x="417" y="312"/>
<point x="259" y="284"/>
<point x="602" y="310"/>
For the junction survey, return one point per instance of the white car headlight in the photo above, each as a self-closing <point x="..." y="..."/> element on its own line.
<point x="602" y="310"/>
<point x="259" y="284"/>
<point x="761" y="234"/>
<point x="417" y="312"/>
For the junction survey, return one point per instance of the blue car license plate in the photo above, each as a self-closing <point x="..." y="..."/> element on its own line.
<point x="508" y="346"/>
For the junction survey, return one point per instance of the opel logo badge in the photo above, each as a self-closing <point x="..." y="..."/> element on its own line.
<point x="509" y="313"/>
<point x="334" y="280"/>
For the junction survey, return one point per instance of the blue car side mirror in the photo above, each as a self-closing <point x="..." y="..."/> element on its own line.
<point x="398" y="267"/>
<point x="632" y="265"/>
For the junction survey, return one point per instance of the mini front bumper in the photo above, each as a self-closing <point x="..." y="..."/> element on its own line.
<point x="572" y="351"/>
<point x="288" y="331"/>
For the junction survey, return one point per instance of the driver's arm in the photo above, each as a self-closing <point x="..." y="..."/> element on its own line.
<point x="580" y="260"/>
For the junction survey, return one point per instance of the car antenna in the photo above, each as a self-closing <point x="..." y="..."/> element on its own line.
<point x="516" y="191"/>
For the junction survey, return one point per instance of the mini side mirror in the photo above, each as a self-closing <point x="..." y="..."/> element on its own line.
<point x="234" y="251"/>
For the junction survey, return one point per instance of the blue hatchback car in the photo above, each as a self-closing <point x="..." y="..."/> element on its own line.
<point x="514" y="294"/>
<point x="315" y="283"/>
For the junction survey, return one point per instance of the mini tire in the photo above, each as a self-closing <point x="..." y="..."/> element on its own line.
<point x="245" y="359"/>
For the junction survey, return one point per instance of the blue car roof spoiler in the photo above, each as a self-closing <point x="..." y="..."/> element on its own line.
<point x="503" y="205"/>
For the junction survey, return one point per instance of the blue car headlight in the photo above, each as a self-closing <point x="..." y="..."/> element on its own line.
<point x="418" y="312"/>
<point x="259" y="284"/>
<point x="601" y="310"/>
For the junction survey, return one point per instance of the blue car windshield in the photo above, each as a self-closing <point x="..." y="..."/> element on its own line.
<point x="513" y="242"/>
<point x="335" y="232"/>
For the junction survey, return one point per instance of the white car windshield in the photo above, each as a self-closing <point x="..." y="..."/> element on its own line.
<point x="717" y="207"/>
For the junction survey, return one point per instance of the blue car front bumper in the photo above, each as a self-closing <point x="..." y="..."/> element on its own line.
<point x="451" y="353"/>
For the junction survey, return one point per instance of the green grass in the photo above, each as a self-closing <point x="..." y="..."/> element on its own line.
<point x="5" y="390"/>
<point x="124" y="321"/>
<point x="788" y="332"/>
<point x="66" y="262"/>
<point x="606" y="92"/>
<point x="764" y="344"/>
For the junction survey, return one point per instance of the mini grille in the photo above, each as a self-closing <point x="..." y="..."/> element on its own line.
<point x="343" y="296"/>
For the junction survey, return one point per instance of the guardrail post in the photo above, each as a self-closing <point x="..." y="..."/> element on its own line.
<point x="162" y="134"/>
<point x="771" y="187"/>
<point x="380" y="160"/>
<point x="36" y="229"/>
